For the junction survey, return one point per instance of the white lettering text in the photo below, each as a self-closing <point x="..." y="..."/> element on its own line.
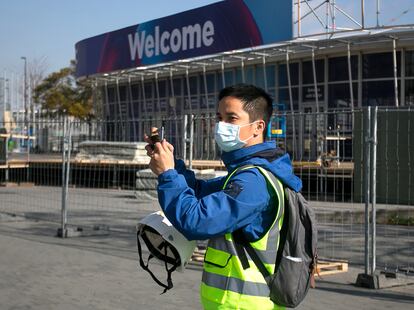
<point x="187" y="38"/>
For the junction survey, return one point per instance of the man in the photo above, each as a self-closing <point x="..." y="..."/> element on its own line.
<point x="243" y="201"/>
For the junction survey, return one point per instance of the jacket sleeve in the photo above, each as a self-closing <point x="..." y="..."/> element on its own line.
<point x="201" y="187"/>
<point x="242" y="204"/>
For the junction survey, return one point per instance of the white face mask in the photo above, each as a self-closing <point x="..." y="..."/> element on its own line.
<point x="227" y="136"/>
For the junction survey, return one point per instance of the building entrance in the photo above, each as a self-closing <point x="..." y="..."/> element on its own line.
<point x="311" y="131"/>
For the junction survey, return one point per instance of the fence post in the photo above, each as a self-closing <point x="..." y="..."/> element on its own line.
<point x="66" y="152"/>
<point x="369" y="279"/>
<point x="185" y="122"/>
<point x="188" y="138"/>
<point x="6" y="160"/>
<point x="191" y="141"/>
<point x="367" y="168"/>
<point x="28" y="134"/>
<point x="374" y="187"/>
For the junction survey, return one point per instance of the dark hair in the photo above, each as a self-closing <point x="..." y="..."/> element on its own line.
<point x="255" y="101"/>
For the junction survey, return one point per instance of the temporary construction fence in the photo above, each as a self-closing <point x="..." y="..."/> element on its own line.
<point x="356" y="168"/>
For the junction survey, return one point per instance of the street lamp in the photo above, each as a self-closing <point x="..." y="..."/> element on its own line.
<point x="25" y="92"/>
<point x="25" y="118"/>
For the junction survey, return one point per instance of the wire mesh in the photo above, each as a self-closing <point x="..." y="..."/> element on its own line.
<point x="111" y="186"/>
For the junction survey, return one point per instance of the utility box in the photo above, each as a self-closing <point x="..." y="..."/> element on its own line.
<point x="395" y="156"/>
<point x="3" y="146"/>
<point x="3" y="151"/>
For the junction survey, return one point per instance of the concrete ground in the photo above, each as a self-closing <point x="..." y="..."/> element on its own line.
<point x="340" y="225"/>
<point x="41" y="271"/>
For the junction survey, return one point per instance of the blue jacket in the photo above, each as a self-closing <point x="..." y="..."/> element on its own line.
<point x="201" y="209"/>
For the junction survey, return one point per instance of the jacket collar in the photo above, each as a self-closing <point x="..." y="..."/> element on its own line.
<point x="234" y="158"/>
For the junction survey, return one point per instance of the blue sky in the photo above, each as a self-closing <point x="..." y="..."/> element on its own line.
<point x="50" y="28"/>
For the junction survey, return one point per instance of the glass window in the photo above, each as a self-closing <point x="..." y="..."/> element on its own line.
<point x="210" y="78"/>
<point x="409" y="63"/>
<point x="113" y="111"/>
<point x="294" y="74"/>
<point x="259" y="79"/>
<point x="122" y="93"/>
<point x="379" y="65"/>
<point x="339" y="96"/>
<point x="228" y="75"/>
<point x="176" y="105"/>
<point x="122" y="108"/>
<point x="338" y="68"/>
<point x="134" y="109"/>
<point x="141" y="108"/>
<point x="249" y="71"/>
<point x="161" y="88"/>
<point x="409" y="92"/>
<point x="239" y="76"/>
<point x="194" y="85"/>
<point x="212" y="103"/>
<point x="272" y="92"/>
<point x="193" y="80"/>
<point x="148" y="90"/>
<point x="307" y="71"/>
<point x="163" y="104"/>
<point x="150" y="105"/>
<point x="111" y="94"/>
<point x="308" y="93"/>
<point x="270" y="76"/>
<point x="219" y="79"/>
<point x="284" y="98"/>
<point x="195" y="102"/>
<point x="203" y="102"/>
<point x="378" y="93"/>
<point x="135" y="91"/>
<point x="177" y="87"/>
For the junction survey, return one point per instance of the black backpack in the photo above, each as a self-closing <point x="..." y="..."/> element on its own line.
<point x="296" y="257"/>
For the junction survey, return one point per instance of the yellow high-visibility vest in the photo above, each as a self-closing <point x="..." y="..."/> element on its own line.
<point x="225" y="284"/>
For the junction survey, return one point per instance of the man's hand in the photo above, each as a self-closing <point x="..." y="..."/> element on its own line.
<point x="161" y="154"/>
<point x="162" y="157"/>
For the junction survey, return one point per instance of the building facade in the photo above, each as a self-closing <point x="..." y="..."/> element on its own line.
<point x="318" y="77"/>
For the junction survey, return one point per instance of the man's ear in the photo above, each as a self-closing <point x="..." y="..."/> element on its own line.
<point x="260" y="127"/>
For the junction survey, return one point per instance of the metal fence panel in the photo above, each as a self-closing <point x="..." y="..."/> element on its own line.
<point x="327" y="150"/>
<point x="31" y="171"/>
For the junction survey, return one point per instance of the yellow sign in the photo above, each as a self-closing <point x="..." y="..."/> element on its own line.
<point x="277" y="131"/>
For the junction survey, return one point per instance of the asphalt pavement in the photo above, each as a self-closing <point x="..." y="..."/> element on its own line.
<point x="100" y="271"/>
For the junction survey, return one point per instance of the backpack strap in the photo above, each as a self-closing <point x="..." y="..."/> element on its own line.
<point x="240" y="241"/>
<point x="239" y="245"/>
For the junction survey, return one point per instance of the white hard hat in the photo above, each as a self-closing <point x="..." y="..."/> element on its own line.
<point x="165" y="243"/>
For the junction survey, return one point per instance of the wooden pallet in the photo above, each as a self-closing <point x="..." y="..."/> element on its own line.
<point x="327" y="267"/>
<point x="324" y="267"/>
<point x="198" y="256"/>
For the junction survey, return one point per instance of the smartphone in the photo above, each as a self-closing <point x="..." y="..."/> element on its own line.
<point x="158" y="137"/>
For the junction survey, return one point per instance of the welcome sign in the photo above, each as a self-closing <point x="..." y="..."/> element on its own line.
<point x="143" y="45"/>
<point x="222" y="26"/>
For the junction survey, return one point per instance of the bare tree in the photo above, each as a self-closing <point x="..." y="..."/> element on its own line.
<point x="36" y="72"/>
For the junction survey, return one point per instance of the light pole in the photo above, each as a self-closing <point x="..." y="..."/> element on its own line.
<point x="25" y="93"/>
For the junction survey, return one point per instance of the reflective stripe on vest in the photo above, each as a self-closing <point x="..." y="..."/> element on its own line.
<point x="225" y="283"/>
